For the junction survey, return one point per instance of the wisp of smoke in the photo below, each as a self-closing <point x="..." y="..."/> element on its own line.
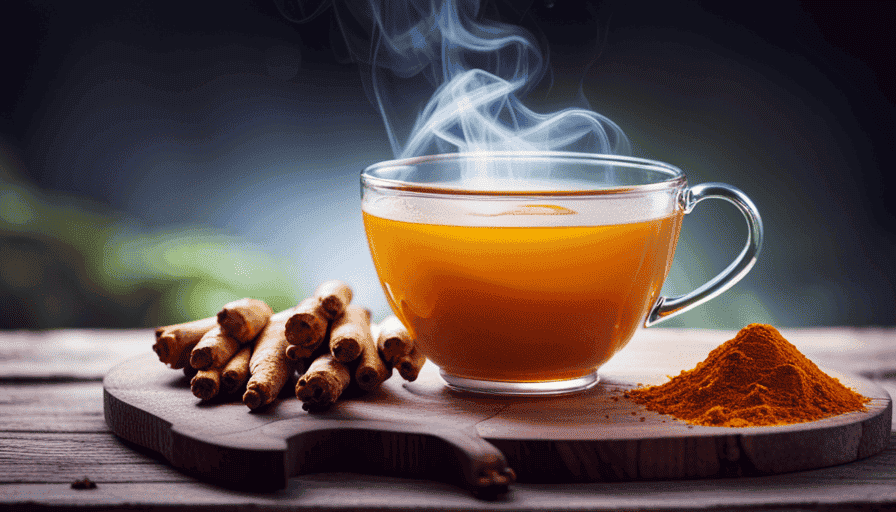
<point x="462" y="78"/>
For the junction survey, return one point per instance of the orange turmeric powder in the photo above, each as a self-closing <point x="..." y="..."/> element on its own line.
<point x="756" y="379"/>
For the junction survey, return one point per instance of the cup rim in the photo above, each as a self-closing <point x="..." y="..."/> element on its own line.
<point x="370" y="179"/>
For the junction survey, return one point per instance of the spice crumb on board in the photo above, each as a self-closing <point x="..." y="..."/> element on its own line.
<point x="757" y="378"/>
<point x="83" y="484"/>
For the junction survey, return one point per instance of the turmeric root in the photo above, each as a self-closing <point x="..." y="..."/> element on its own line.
<point x="174" y="342"/>
<point x="349" y="333"/>
<point x="213" y="350"/>
<point x="323" y="382"/>
<point x="269" y="368"/>
<point x="243" y="319"/>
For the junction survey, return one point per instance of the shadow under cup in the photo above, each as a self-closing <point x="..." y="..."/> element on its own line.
<point x="522" y="273"/>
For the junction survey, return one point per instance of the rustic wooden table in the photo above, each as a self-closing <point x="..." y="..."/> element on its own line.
<point x="53" y="432"/>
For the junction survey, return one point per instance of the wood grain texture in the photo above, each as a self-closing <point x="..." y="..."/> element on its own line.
<point x="52" y="407"/>
<point x="862" y="485"/>
<point x="88" y="354"/>
<point x="45" y="403"/>
<point x="51" y="457"/>
<point x="406" y="428"/>
<point x="68" y="354"/>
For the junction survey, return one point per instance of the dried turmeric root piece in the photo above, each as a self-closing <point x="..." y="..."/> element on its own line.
<point x="323" y="383"/>
<point x="174" y="342"/>
<point x="350" y="332"/>
<point x="409" y="365"/>
<point x="334" y="297"/>
<point x="236" y="371"/>
<point x="393" y="340"/>
<point x="269" y="368"/>
<point x="206" y="383"/>
<point x="372" y="370"/>
<point x="243" y="319"/>
<point x="214" y="349"/>
<point x="307" y="326"/>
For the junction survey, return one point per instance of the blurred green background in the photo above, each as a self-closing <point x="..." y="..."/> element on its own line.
<point x="158" y="160"/>
<point x="70" y="261"/>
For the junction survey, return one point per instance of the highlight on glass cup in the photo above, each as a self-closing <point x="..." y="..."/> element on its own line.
<point x="523" y="272"/>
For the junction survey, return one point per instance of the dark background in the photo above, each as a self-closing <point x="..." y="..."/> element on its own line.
<point x="160" y="158"/>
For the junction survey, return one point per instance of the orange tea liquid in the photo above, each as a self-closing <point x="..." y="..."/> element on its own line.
<point x="521" y="304"/>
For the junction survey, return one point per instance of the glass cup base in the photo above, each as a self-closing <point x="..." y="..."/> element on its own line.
<point x="546" y="388"/>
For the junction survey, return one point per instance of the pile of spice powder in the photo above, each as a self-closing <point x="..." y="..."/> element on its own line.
<point x="756" y="379"/>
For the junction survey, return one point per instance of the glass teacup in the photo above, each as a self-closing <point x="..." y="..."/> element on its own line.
<point x="524" y="272"/>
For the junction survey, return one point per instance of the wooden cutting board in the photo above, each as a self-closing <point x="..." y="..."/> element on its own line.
<point x="423" y="430"/>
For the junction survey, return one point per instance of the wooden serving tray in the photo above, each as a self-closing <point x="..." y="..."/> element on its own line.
<point x="424" y="430"/>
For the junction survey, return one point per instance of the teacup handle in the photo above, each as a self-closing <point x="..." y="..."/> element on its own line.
<point x="667" y="307"/>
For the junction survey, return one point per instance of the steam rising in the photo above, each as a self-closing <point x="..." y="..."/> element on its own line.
<point x="479" y="111"/>
<point x="466" y="76"/>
